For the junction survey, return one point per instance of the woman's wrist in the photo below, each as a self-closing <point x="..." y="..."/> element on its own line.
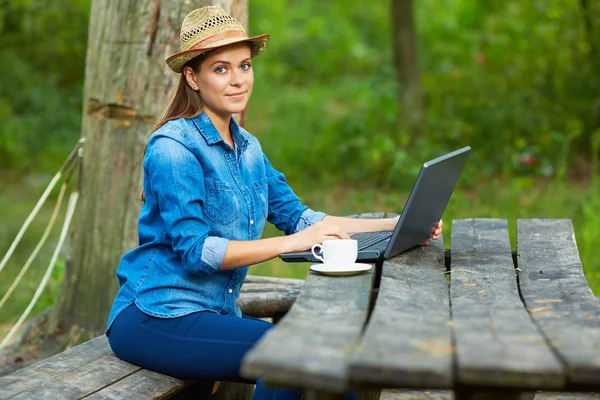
<point x="286" y="244"/>
<point x="391" y="223"/>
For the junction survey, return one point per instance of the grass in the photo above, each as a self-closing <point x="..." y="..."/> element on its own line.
<point x="518" y="197"/>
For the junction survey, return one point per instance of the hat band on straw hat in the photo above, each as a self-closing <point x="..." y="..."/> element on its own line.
<point x="221" y="36"/>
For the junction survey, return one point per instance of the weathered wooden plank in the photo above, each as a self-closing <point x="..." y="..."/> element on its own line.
<point x="82" y="381"/>
<point x="45" y="370"/>
<point x="497" y="343"/>
<point x="558" y="297"/>
<point x="263" y="296"/>
<point x="566" y="396"/>
<point x="142" y="385"/>
<point x="311" y="344"/>
<point x="409" y="394"/>
<point x="408" y="342"/>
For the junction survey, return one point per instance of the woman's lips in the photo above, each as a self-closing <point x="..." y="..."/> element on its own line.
<point x="236" y="96"/>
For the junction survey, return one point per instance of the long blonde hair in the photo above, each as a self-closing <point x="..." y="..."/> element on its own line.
<point x="186" y="103"/>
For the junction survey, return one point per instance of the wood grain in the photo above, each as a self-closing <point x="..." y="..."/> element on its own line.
<point x="567" y="396"/>
<point x="44" y="371"/>
<point x="497" y="343"/>
<point x="311" y="345"/>
<point x="409" y="394"/>
<point x="82" y="381"/>
<point x="143" y="384"/>
<point x="263" y="296"/>
<point x="407" y="342"/>
<point x="558" y="297"/>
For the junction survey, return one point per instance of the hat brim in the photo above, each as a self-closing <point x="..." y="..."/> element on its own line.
<point x="177" y="61"/>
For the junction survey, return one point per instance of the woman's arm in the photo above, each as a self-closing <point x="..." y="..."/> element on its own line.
<point x="362" y="225"/>
<point x="240" y="253"/>
<point x="369" y="225"/>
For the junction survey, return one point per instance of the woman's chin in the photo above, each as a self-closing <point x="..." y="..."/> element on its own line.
<point x="237" y="110"/>
<point x="228" y="109"/>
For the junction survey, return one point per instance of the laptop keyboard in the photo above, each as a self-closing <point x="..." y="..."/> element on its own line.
<point x="366" y="239"/>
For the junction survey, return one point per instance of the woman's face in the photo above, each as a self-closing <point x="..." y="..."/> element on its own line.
<point x="225" y="80"/>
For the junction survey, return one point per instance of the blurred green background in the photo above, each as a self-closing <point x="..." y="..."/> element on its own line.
<point x="518" y="81"/>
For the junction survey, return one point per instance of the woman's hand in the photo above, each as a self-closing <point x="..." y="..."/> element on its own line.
<point x="390" y="223"/>
<point x="435" y="233"/>
<point x="316" y="233"/>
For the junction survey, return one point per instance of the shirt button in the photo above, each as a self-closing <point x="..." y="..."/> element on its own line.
<point x="251" y="222"/>
<point x="230" y="291"/>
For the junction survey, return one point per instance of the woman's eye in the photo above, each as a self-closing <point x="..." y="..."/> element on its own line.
<point x="246" y="66"/>
<point x="220" y="70"/>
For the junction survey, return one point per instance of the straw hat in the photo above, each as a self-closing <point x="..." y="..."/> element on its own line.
<point x="208" y="28"/>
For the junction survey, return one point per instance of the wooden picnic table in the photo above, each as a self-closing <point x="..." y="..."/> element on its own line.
<point x="479" y="319"/>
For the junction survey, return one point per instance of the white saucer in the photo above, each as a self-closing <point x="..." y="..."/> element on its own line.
<point x="351" y="269"/>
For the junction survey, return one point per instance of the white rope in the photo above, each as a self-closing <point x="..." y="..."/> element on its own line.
<point x="39" y="245"/>
<point x="66" y="165"/>
<point x="63" y="235"/>
<point x="37" y="207"/>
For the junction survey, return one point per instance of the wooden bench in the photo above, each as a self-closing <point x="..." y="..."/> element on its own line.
<point x="496" y="325"/>
<point x="92" y="371"/>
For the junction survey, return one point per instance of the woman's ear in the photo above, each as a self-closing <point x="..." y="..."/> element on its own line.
<point x="190" y="77"/>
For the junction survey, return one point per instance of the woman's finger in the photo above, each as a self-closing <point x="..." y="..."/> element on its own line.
<point x="340" y="235"/>
<point x="332" y="236"/>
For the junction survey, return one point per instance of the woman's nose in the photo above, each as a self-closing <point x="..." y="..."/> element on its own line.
<point x="237" y="78"/>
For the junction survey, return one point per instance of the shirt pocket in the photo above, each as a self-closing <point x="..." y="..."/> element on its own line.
<point x="261" y="189"/>
<point x="222" y="203"/>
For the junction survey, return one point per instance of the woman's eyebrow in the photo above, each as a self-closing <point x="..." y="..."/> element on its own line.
<point x="221" y="62"/>
<point x="228" y="63"/>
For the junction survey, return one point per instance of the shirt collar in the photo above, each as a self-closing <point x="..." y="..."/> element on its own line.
<point x="212" y="136"/>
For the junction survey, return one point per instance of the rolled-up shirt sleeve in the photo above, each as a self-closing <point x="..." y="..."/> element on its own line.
<point x="214" y="250"/>
<point x="308" y="218"/>
<point x="176" y="181"/>
<point x="286" y="211"/>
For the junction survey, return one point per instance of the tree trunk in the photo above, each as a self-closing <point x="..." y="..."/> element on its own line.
<point x="127" y="87"/>
<point x="406" y="63"/>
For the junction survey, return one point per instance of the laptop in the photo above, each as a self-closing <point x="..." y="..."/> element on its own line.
<point x="423" y="209"/>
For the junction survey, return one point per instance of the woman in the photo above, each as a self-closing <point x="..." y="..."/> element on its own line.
<point x="208" y="191"/>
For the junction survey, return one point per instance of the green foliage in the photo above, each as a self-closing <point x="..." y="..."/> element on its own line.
<point x="518" y="81"/>
<point x="42" y="45"/>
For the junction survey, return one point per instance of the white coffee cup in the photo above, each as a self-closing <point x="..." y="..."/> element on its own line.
<point x="337" y="253"/>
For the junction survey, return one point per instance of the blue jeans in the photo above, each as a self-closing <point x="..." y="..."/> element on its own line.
<point x="200" y="346"/>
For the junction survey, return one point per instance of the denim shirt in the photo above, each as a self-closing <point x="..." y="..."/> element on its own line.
<point x="200" y="193"/>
